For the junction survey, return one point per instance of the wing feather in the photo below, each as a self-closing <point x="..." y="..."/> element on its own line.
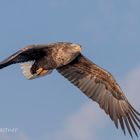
<point x="30" y="53"/>
<point x="101" y="87"/>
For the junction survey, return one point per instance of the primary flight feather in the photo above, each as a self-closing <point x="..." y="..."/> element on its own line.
<point x="92" y="80"/>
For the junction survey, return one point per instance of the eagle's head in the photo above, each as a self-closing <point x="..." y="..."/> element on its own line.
<point x="68" y="52"/>
<point x="75" y="47"/>
<point x="72" y="49"/>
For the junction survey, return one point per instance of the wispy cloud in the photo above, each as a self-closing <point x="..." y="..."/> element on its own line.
<point x="80" y="125"/>
<point x="132" y="86"/>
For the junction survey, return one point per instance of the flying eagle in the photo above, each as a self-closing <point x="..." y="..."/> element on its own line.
<point x="92" y="80"/>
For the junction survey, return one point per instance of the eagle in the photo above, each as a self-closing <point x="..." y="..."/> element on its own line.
<point x="94" y="81"/>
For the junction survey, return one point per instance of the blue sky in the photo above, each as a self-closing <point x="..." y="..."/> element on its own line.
<point x="50" y="107"/>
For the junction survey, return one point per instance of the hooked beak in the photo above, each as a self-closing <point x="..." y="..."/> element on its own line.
<point x="77" y="47"/>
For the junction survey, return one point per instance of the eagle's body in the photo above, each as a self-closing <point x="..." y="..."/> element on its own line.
<point x="42" y="59"/>
<point x="92" y="80"/>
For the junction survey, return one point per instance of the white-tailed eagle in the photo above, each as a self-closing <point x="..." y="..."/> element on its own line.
<point x="92" y="80"/>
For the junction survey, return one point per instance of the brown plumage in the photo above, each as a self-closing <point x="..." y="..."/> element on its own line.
<point x="92" y="80"/>
<point x="101" y="87"/>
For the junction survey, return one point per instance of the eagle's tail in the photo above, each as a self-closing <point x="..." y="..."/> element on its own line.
<point x="26" y="70"/>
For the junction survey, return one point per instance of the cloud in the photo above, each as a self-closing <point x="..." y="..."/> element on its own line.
<point x="81" y="124"/>
<point x="131" y="83"/>
<point x="86" y="123"/>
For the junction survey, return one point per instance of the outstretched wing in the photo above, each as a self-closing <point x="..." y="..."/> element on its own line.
<point x="100" y="86"/>
<point x="29" y="53"/>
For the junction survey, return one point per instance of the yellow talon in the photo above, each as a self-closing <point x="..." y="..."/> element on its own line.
<point x="41" y="71"/>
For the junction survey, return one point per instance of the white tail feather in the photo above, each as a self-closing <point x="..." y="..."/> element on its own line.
<point x="26" y="67"/>
<point x="26" y="70"/>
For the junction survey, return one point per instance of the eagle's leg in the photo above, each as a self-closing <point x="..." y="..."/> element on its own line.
<point x="41" y="71"/>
